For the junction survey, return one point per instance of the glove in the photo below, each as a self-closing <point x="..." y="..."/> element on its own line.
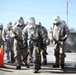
<point x="64" y="38"/>
<point x="25" y="45"/>
<point x="15" y="36"/>
<point x="45" y="52"/>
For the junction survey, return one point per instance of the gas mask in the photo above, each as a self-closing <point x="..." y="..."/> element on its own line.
<point x="9" y="25"/>
<point x="32" y="22"/>
<point x="20" y="22"/>
<point x="57" y="20"/>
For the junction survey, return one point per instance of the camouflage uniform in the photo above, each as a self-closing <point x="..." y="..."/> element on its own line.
<point x="60" y="33"/>
<point x="31" y="32"/>
<point x="44" y="42"/>
<point x="19" y="51"/>
<point x="8" y="42"/>
<point x="1" y="29"/>
<point x="30" y="47"/>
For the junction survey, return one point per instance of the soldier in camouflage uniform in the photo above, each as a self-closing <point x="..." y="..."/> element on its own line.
<point x="59" y="34"/>
<point x="32" y="32"/>
<point x="44" y="42"/>
<point x="8" y="42"/>
<point x="19" y="51"/>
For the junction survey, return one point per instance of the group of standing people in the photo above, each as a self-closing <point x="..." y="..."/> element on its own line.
<point x="21" y="39"/>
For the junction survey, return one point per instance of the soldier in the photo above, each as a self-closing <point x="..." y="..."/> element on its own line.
<point x="1" y="29"/>
<point x="44" y="42"/>
<point x="32" y="32"/>
<point x="8" y="42"/>
<point x="59" y="34"/>
<point x="19" y="51"/>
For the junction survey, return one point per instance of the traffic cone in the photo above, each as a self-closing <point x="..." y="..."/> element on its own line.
<point x="2" y="56"/>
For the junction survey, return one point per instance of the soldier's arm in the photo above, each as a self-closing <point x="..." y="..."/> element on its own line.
<point x="67" y="32"/>
<point x="4" y="34"/>
<point x="14" y="35"/>
<point x="25" y="37"/>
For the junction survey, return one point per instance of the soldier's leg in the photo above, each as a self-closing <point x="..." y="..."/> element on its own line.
<point x="24" y="53"/>
<point x="12" y="50"/>
<point x="62" y="57"/>
<point x="6" y="49"/>
<point x="44" y="53"/>
<point x="56" y="53"/>
<point x="7" y="56"/>
<point x="12" y="56"/>
<point x="37" y="59"/>
<point x="30" y="46"/>
<point x="63" y="60"/>
<point x="18" y="57"/>
<point x="30" y="53"/>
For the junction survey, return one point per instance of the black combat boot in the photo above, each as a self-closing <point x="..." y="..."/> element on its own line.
<point x="39" y="68"/>
<point x="18" y="67"/>
<point x="35" y="71"/>
<point x="26" y="65"/>
<point x="56" y="65"/>
<point x="62" y="66"/>
<point x="44" y="62"/>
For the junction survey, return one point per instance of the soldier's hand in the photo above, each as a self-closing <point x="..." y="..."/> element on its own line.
<point x="64" y="39"/>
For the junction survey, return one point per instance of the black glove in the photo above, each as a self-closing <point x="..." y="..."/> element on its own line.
<point x="64" y="39"/>
<point x="45" y="53"/>
<point x="15" y="35"/>
<point x="25" y="44"/>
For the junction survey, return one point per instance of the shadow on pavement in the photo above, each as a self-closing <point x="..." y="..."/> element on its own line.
<point x="11" y="66"/>
<point x="67" y="70"/>
<point x="49" y="69"/>
<point x="5" y="70"/>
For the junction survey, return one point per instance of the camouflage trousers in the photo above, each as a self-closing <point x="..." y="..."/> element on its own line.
<point x="59" y="53"/>
<point x="44" y="54"/>
<point x="37" y="57"/>
<point x="19" y="52"/>
<point x="8" y="48"/>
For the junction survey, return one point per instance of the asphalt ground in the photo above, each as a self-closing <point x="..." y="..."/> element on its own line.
<point x="70" y="66"/>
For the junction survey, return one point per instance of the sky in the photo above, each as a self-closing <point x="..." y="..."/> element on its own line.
<point x="42" y="10"/>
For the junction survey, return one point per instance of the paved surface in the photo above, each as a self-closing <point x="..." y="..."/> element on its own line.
<point x="70" y="66"/>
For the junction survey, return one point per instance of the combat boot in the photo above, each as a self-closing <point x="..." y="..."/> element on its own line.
<point x="18" y="67"/>
<point x="62" y="66"/>
<point x="35" y="71"/>
<point x="55" y="65"/>
<point x="39" y="68"/>
<point x="26" y="65"/>
<point x="44" y="62"/>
